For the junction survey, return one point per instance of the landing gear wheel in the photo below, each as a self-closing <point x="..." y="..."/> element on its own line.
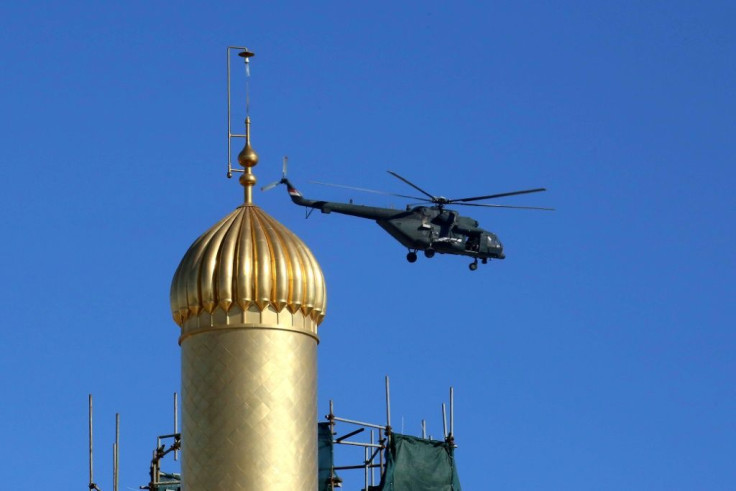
<point x="473" y="266"/>
<point x="411" y="257"/>
<point x="429" y="253"/>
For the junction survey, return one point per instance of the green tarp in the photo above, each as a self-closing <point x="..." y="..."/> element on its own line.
<point x="416" y="464"/>
<point x="326" y="456"/>
<point x="412" y="464"/>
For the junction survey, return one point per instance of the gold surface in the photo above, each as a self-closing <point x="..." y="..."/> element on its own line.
<point x="249" y="410"/>
<point x="248" y="158"/>
<point x="248" y="296"/>
<point x="248" y="261"/>
<point x="254" y="318"/>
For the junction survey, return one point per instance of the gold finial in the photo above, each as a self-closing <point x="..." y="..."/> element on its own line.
<point x="248" y="158"/>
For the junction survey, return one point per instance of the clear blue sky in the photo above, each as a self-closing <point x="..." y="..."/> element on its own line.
<point x="600" y="354"/>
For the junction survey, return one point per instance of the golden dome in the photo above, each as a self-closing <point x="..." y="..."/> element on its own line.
<point x="247" y="264"/>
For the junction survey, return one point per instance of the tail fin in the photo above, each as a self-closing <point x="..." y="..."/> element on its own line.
<point x="295" y="195"/>
<point x="293" y="192"/>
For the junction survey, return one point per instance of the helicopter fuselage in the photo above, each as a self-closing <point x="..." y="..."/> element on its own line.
<point x="426" y="228"/>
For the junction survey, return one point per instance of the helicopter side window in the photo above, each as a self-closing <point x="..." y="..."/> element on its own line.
<point x="472" y="243"/>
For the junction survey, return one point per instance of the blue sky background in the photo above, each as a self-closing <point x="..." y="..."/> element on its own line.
<point x="599" y="355"/>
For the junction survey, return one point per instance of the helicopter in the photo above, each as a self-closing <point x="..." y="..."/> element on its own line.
<point x="429" y="228"/>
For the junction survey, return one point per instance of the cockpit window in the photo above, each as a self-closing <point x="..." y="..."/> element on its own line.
<point x="493" y="241"/>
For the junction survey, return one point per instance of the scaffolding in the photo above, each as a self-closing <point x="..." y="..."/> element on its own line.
<point x="391" y="461"/>
<point x="165" y="445"/>
<point x="402" y="462"/>
<point x="160" y="480"/>
<point x="115" y="451"/>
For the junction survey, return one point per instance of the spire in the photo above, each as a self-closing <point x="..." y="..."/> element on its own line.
<point x="248" y="158"/>
<point x="246" y="292"/>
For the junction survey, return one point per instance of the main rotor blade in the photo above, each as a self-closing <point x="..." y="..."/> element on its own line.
<point x="485" y="205"/>
<point x="365" y="190"/>
<point x="433" y="198"/>
<point x="501" y="195"/>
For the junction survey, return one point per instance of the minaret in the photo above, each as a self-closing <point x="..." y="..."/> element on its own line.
<point x="248" y="296"/>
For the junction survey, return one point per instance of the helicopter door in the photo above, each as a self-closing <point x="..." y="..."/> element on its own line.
<point x="473" y="243"/>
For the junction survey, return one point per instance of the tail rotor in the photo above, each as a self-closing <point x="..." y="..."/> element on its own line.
<point x="268" y="187"/>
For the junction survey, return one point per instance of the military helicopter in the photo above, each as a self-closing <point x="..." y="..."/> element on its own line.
<point x="432" y="229"/>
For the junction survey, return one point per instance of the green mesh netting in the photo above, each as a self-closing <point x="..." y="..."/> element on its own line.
<point x="416" y="464"/>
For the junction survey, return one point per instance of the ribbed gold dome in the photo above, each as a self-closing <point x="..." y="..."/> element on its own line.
<point x="248" y="262"/>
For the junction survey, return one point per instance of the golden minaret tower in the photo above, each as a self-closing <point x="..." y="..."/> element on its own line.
<point x="248" y="296"/>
